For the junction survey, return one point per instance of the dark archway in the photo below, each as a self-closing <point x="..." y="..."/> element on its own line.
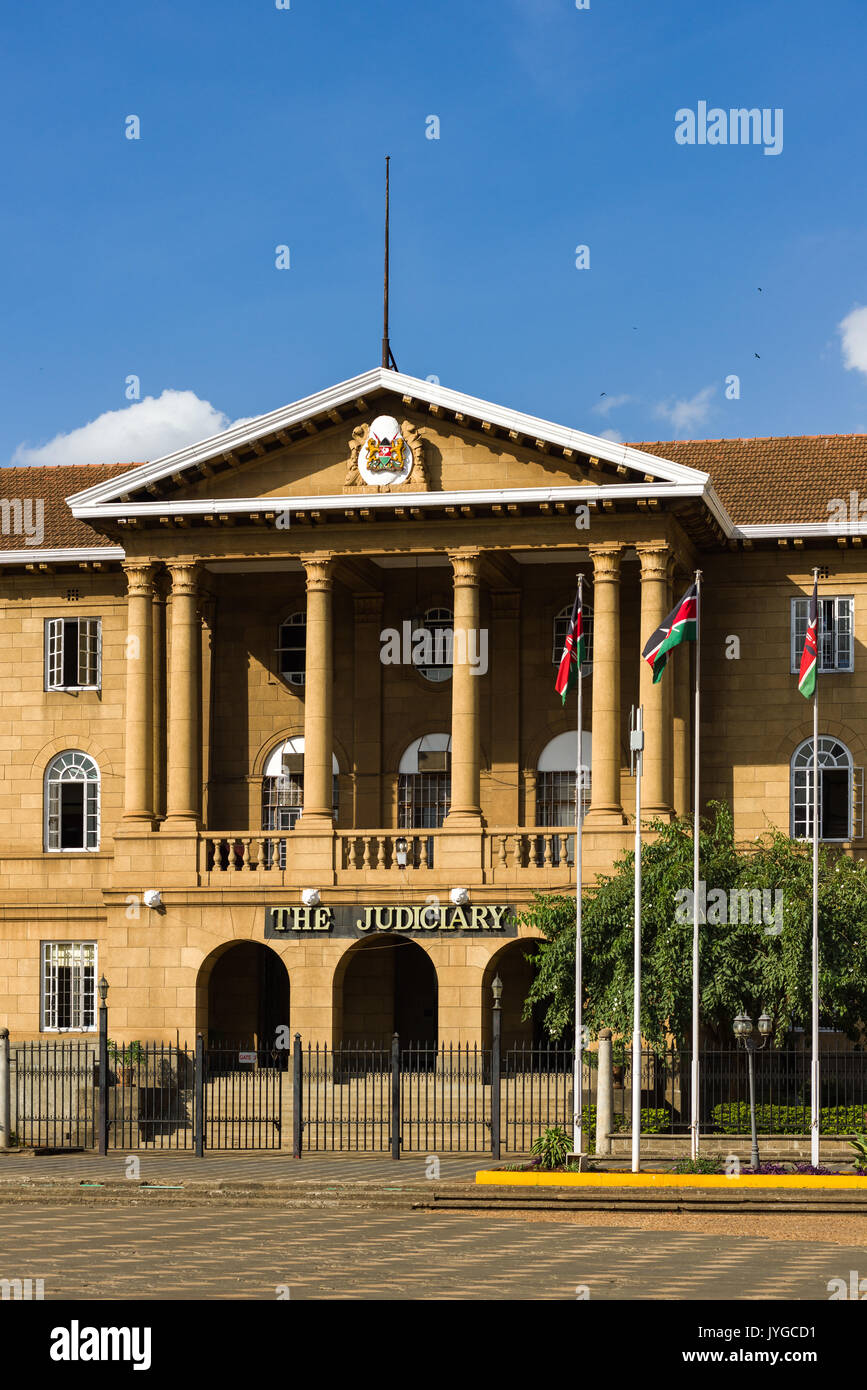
<point x="247" y="995"/>
<point x="516" y="973"/>
<point x="385" y="986"/>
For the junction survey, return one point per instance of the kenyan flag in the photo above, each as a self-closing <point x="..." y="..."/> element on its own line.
<point x="807" y="676"/>
<point x="574" y="653"/>
<point x="679" y="626"/>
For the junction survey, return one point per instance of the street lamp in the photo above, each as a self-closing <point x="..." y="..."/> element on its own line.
<point x="496" y="1053"/>
<point x="743" y="1031"/>
<point x="497" y="990"/>
<point x="102" y="1108"/>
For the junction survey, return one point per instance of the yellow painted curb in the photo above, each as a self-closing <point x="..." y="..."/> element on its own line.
<point x="496" y="1178"/>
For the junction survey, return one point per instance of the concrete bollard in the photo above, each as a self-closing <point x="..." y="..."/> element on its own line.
<point x="604" y="1094"/>
<point x="5" y="1092"/>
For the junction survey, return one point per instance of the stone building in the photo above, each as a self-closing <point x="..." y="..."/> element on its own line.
<point x="281" y="742"/>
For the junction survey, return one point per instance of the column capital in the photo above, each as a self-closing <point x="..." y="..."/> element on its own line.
<point x="466" y="565"/>
<point x="139" y="578"/>
<point x="606" y="559"/>
<point x="655" y="560"/>
<point x="319" y="570"/>
<point x="185" y="577"/>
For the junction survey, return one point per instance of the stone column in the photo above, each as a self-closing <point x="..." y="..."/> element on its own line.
<point x="505" y="707"/>
<point x="682" y="720"/>
<point x="319" y="693"/>
<point x="604" y="1094"/>
<point x="159" y="700"/>
<point x="138" y="736"/>
<point x="367" y="712"/>
<point x="182" y="801"/>
<point x="466" y="691"/>
<point x="656" y="699"/>
<point x="605" y="805"/>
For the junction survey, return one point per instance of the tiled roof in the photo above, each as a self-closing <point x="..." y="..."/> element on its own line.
<point x="790" y="479"/>
<point x="52" y="486"/>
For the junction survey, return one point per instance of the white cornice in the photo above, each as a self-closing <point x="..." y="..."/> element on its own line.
<point x="576" y="492"/>
<point x="62" y="554"/>
<point x="383" y="379"/>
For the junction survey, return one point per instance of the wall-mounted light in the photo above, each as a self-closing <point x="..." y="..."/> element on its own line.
<point x="459" y="896"/>
<point x="152" y="897"/>
<point x="310" y="897"/>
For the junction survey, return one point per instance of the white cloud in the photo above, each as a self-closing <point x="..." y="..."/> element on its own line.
<point x="686" y="414"/>
<point x="614" y="435"/>
<point x="853" y="331"/>
<point x="609" y="403"/>
<point x="140" y="432"/>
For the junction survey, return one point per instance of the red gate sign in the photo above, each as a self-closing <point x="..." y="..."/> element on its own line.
<point x="247" y="1057"/>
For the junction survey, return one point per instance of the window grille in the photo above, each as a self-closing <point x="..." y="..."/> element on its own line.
<point x="68" y="986"/>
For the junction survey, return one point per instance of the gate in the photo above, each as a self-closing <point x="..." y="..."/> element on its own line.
<point x="150" y="1097"/>
<point x="242" y="1097"/>
<point x="54" y="1089"/>
<point x="416" y="1098"/>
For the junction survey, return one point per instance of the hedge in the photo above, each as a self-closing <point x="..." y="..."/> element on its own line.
<point x="733" y="1117"/>
<point x="652" y="1121"/>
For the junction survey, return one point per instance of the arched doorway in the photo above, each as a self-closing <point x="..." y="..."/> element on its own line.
<point x="244" y="996"/>
<point x="516" y="973"/>
<point x="384" y="986"/>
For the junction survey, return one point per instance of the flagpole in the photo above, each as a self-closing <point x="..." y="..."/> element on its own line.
<point x="636" y="743"/>
<point x="578" y="1077"/>
<point x="694" y="1120"/>
<point x="814" y="1063"/>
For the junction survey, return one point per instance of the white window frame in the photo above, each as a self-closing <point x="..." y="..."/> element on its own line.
<point x="800" y="787"/>
<point x="71" y="766"/>
<point x="298" y="619"/>
<point x="836" y="641"/>
<point x="82" y="958"/>
<point x="89" y="653"/>
<point x="561" y="627"/>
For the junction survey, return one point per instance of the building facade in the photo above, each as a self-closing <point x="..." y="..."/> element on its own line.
<point x="282" y="747"/>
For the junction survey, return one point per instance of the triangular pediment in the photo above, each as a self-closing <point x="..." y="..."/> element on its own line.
<point x="462" y="443"/>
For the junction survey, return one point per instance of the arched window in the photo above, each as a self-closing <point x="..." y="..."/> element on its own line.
<point x="71" y="802"/>
<point x="433" y="644"/>
<point x="292" y="649"/>
<point x="283" y="792"/>
<point x="555" y="788"/>
<point x="835" y="790"/>
<point x="561" y="627"/>
<point x="425" y="787"/>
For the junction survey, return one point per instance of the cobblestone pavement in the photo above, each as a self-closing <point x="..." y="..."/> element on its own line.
<point x="246" y="1254"/>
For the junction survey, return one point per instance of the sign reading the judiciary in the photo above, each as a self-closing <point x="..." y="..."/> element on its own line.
<point x="365" y="921"/>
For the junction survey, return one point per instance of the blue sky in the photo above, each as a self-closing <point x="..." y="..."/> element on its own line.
<point x="263" y="127"/>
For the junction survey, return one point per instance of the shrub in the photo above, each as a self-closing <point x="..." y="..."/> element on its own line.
<point x="552" y="1147"/>
<point x="733" y="1117"/>
<point x="710" y="1164"/>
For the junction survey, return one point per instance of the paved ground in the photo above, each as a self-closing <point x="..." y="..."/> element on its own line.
<point x="247" y="1254"/>
<point x="176" y="1167"/>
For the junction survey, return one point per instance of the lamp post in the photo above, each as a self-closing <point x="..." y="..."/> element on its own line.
<point x="496" y="1043"/>
<point x="743" y="1031"/>
<point x="102" y="1108"/>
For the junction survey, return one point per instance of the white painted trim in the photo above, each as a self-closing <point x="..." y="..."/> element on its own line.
<point x="382" y="378"/>
<point x="809" y="530"/>
<point x="576" y="492"/>
<point x="85" y="552"/>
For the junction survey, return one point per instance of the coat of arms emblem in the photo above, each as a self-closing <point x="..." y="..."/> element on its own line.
<point x="385" y="456"/>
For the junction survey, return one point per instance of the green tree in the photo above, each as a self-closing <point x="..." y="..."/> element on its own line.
<point x="764" y="963"/>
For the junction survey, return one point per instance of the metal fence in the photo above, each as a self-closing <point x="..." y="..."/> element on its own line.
<point x="399" y="1098"/>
